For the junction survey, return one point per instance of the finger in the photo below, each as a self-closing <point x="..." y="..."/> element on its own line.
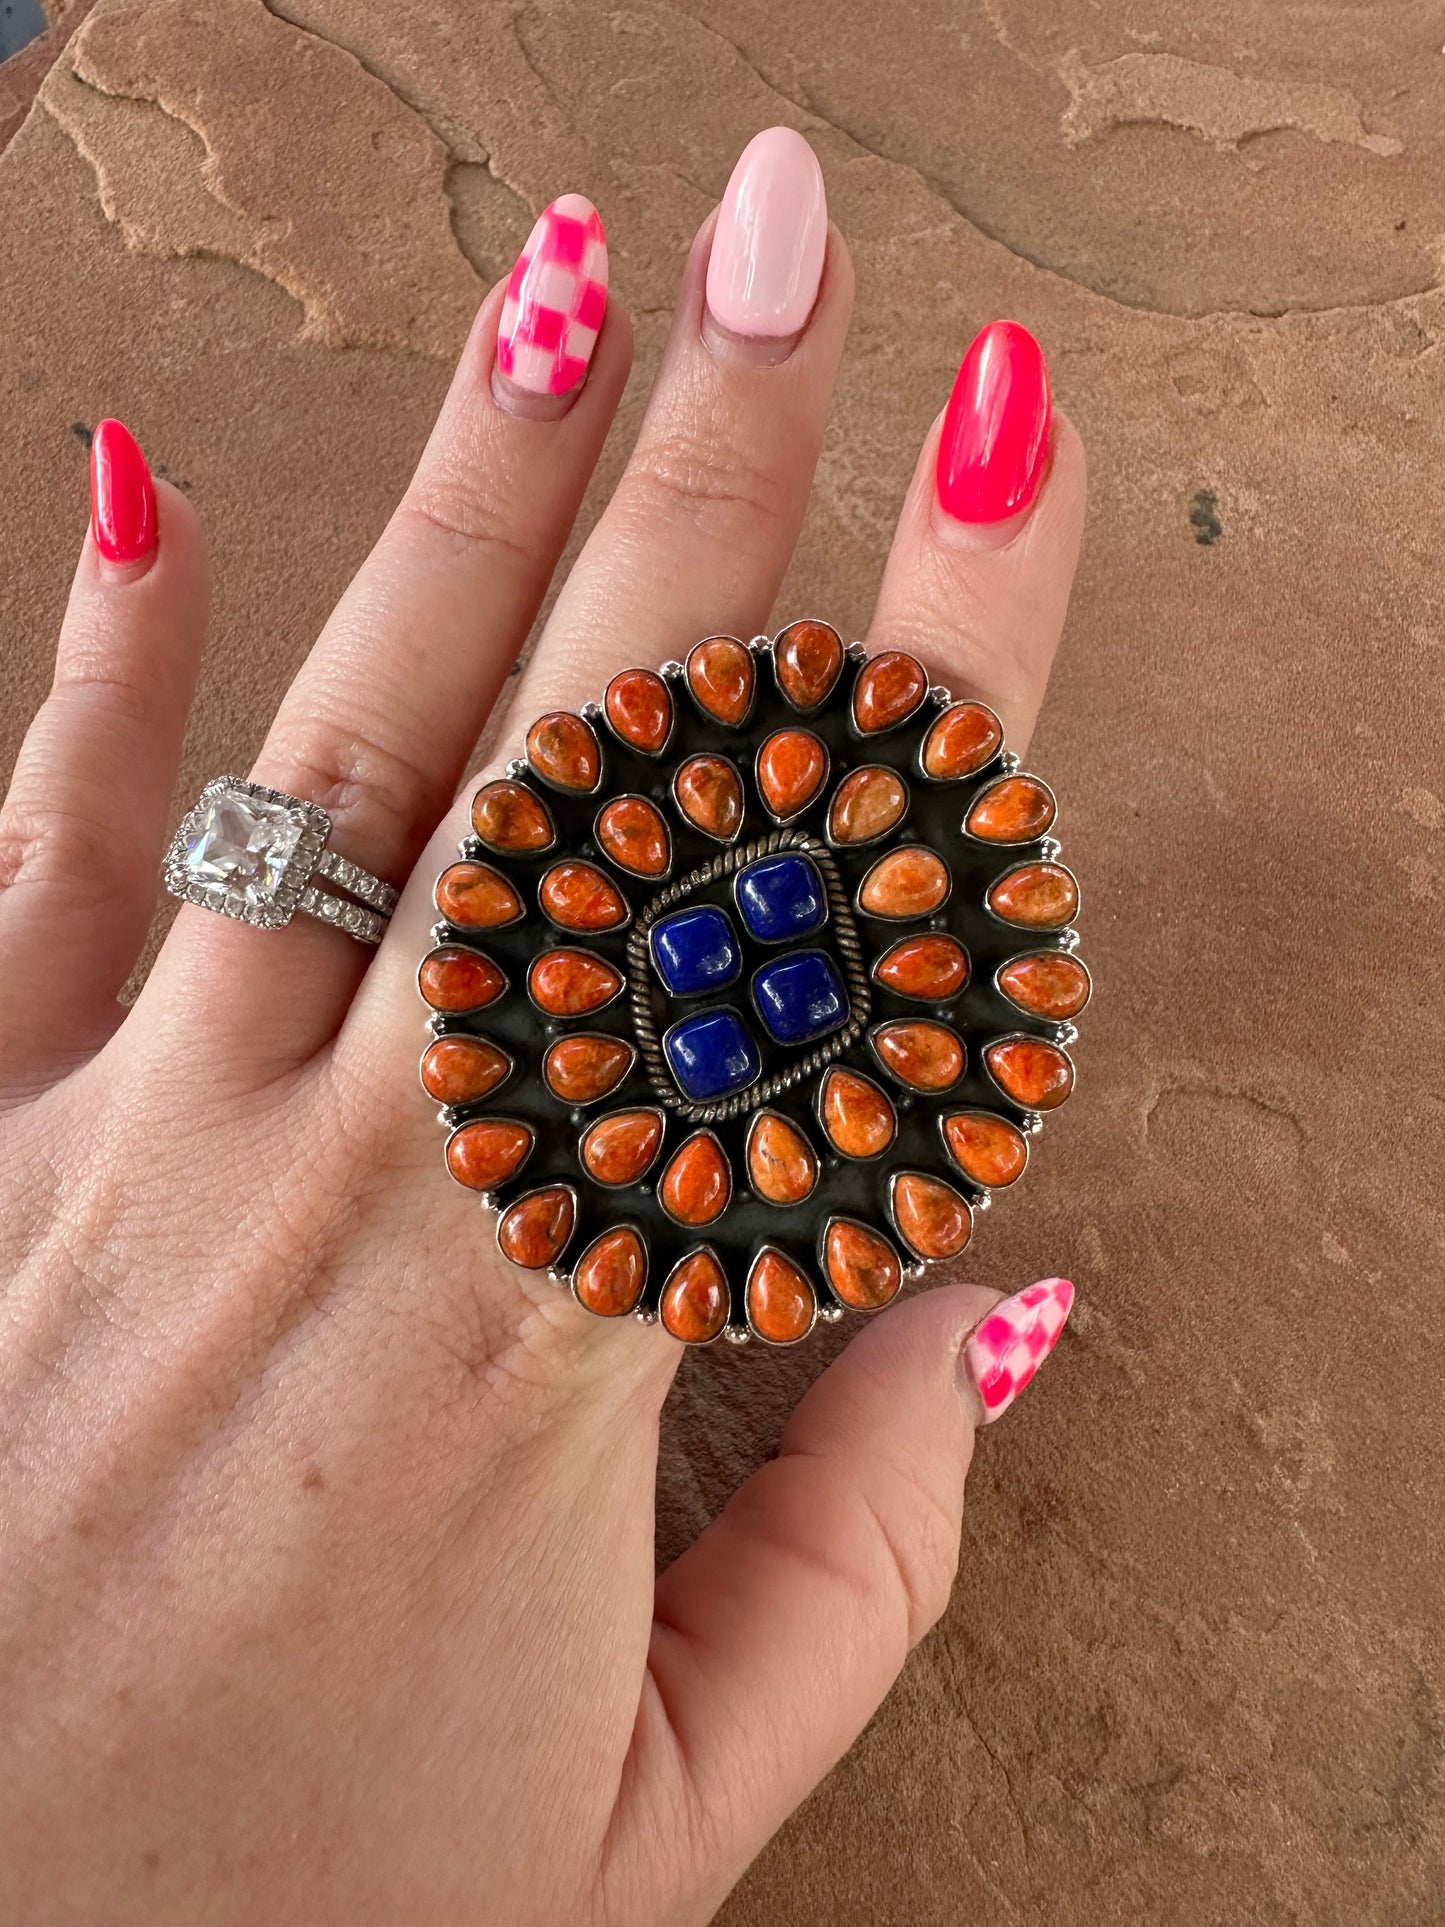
<point x="977" y="582"/>
<point x="84" y="824"/>
<point x="778" y="1634"/>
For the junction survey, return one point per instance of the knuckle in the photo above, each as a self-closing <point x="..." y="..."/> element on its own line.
<point x="352" y="774"/>
<point x="717" y="486"/>
<point x="916" y="1543"/>
<point x="466" y="513"/>
<point x="44" y="845"/>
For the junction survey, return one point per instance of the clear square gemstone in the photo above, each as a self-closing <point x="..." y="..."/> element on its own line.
<point x="244" y="844"/>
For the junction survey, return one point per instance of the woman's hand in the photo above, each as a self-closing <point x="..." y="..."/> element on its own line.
<point x="328" y="1587"/>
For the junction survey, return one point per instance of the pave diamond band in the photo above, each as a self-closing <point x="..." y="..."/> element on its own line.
<point x="259" y="855"/>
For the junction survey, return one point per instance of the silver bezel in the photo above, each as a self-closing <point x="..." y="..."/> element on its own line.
<point x="1012" y="842"/>
<point x="934" y="998"/>
<point x="489" y="1118"/>
<point x="586" y="1103"/>
<point x="1024" y="956"/>
<point x="624" y="742"/>
<point x="763" y="1112"/>
<point x="517" y="773"/>
<point x="680" y="910"/>
<point x="705" y="756"/>
<point x="277" y="912"/>
<point x="777" y="1344"/>
<point x="622" y="1224"/>
<point x="900" y="722"/>
<point x="818" y="789"/>
<point x="452" y="1114"/>
<point x="572" y="1017"/>
<point x="570" y="930"/>
<point x="716" y="1142"/>
<point x="478" y="863"/>
<point x="931" y="1177"/>
<point x="979" y="1110"/>
<point x="752" y="652"/>
<point x="726" y="1329"/>
<point x="652" y="878"/>
<point x="566" y="789"/>
<point x="801" y="1043"/>
<point x="821" y="1257"/>
<point x="552" y="1184"/>
<point x="795" y="936"/>
<point x="443" y="939"/>
<point x="1028" y="1037"/>
<point x="1035" y="929"/>
<point x="771" y="650"/>
<point x="1000" y="755"/>
<point x="912" y="916"/>
<point x="819" y="1105"/>
<point x="625" y="1110"/>
<point x="868" y="842"/>
<point x="917" y="1090"/>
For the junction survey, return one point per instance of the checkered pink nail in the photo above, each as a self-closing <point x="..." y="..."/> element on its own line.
<point x="1014" y="1340"/>
<point x="555" y="301"/>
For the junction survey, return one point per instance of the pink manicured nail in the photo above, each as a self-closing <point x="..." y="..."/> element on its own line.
<point x="770" y="239"/>
<point x="1014" y="1340"/>
<point x="996" y="431"/>
<point x="555" y="300"/>
<point x="122" y="495"/>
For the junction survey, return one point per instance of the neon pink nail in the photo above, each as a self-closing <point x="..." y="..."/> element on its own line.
<point x="1014" y="1340"/>
<point x="555" y="300"/>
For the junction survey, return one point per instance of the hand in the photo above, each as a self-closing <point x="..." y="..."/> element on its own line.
<point x="328" y="1588"/>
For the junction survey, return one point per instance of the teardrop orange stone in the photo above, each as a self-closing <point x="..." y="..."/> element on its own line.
<point x="709" y="793"/>
<point x="507" y="816"/>
<point x="1035" y="1074"/>
<point x="965" y="737"/>
<point x="617" y="1149"/>
<point x="639" y="708"/>
<point x="931" y="967"/>
<point x="888" y="691"/>
<point x="695" y="1299"/>
<point x="862" y="1267"/>
<point x="933" y="1220"/>
<point x="909" y="882"/>
<point x="459" y="1070"/>
<point x="697" y="1183"/>
<point x="487" y="1152"/>
<point x="782" y="1167"/>
<point x="781" y="1306"/>
<point x="806" y="659"/>
<point x="985" y="1148"/>
<point x="1015" y="810"/>
<point x="1036" y="896"/>
<point x="922" y="1055"/>
<point x="868" y="803"/>
<point x="476" y="897"/>
<point x="792" y="766"/>
<point x="721" y="674"/>
<point x="858" y="1118"/>
<point x="454" y="978"/>
<point x="633" y="834"/>
<point x="572" y="983"/>
<point x="579" y="897"/>
<point x="563" y="749"/>
<point x="609" y="1276"/>
<point x="580" y="1069"/>
<point x="533" y="1231"/>
<point x="1050" y="983"/>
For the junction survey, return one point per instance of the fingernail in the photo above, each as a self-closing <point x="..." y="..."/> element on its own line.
<point x="555" y="300"/>
<point x="1003" y="1354"/>
<point x="770" y="239"/>
<point x="122" y="495"/>
<point x="996" y="430"/>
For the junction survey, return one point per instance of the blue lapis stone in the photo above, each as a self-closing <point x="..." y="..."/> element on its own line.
<point x="695" y="950"/>
<point x="712" y="1054"/>
<point x="800" y="997"/>
<point x="781" y="897"/>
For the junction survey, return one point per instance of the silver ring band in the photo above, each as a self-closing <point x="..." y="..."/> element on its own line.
<point x="259" y="855"/>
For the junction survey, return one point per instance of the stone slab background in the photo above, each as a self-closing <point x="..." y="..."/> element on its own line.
<point x="1193" y="1669"/>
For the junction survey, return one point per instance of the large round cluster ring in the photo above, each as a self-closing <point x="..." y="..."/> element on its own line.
<point x="752" y="983"/>
<point x="258" y="854"/>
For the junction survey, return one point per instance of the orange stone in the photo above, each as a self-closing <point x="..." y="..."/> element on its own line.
<point x="476" y="897"/>
<point x="1035" y="1074"/>
<point x="909" y="882"/>
<point x="1049" y="983"/>
<point x="631" y="831"/>
<point x="507" y="816"/>
<point x="459" y="1070"/>
<point x="533" y="1231"/>
<point x="639" y="708"/>
<point x="888" y="691"/>
<point x="930" y="968"/>
<point x="563" y="750"/>
<point x="792" y="768"/>
<point x="579" y="897"/>
<point x="695" y="1298"/>
<point x="781" y="1305"/>
<point x="867" y="804"/>
<point x="859" y="1120"/>
<point x="1016" y="809"/>
<point x="862" y="1268"/>
<point x="1037" y="896"/>
<point x="933" y="1220"/>
<point x="721" y="674"/>
<point x="609" y="1276"/>
<point x="782" y="1167"/>
<point x="924" y="1056"/>
<point x="452" y="977"/>
<point x="618" y="1148"/>
<point x="806" y="659"/>
<point x="572" y="983"/>
<point x="965" y="737"/>
<point x="698" y="1181"/>
<point x="487" y="1152"/>
<point x="580" y="1069"/>
<point x="985" y="1148"/>
<point x="709" y="793"/>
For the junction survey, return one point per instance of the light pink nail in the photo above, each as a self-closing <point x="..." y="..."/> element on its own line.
<point x="555" y="300"/>
<point x="1014" y="1340"/>
<point x="770" y="239"/>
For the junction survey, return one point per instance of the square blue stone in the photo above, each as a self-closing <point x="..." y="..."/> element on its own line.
<point x="800" y="997"/>
<point x="695" y="950"/>
<point x="781" y="897"/>
<point x="712" y="1054"/>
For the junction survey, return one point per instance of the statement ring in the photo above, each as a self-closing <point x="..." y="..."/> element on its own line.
<point x="752" y="984"/>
